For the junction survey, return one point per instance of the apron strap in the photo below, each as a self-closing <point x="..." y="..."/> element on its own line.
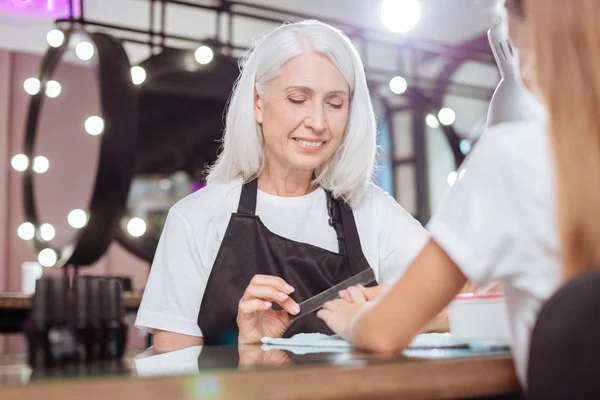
<point x="247" y="204"/>
<point x="354" y="254"/>
<point x="335" y="220"/>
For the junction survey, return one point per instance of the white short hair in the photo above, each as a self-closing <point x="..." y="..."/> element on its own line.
<point x="352" y="166"/>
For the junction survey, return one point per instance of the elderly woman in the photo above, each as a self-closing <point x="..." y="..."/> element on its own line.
<point x="299" y="151"/>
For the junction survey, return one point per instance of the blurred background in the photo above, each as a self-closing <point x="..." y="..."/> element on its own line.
<point x="63" y="138"/>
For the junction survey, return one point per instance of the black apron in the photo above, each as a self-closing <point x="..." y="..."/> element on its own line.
<point x="249" y="248"/>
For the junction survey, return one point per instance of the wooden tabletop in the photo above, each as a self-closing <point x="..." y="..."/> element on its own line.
<point x="20" y="301"/>
<point x="400" y="377"/>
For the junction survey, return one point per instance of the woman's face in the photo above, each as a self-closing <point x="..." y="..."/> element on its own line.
<point x="303" y="114"/>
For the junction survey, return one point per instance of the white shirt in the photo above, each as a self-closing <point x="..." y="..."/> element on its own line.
<point x="498" y="223"/>
<point x="390" y="239"/>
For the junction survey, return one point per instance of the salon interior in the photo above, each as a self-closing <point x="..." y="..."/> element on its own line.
<point x="110" y="112"/>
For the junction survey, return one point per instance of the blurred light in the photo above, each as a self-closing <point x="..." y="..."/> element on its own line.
<point x="398" y="85"/>
<point x="84" y="50"/>
<point x="32" y="86"/>
<point x="26" y="231"/>
<point x="465" y="146"/>
<point x="432" y="121"/>
<point x="203" y="54"/>
<point x="77" y="218"/>
<point x="138" y="75"/>
<point x="136" y="227"/>
<point x="447" y="116"/>
<point x="94" y="125"/>
<point x="53" y="89"/>
<point x="47" y="257"/>
<point x="47" y="232"/>
<point x="41" y="164"/>
<point x="20" y="162"/>
<point x="452" y="178"/>
<point x="55" y="38"/>
<point x="462" y="173"/>
<point x="165" y="184"/>
<point x="400" y="15"/>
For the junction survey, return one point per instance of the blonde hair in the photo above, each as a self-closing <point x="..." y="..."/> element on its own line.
<point x="352" y="166"/>
<point x="566" y="41"/>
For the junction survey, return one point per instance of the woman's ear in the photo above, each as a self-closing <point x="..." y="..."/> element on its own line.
<point x="259" y="105"/>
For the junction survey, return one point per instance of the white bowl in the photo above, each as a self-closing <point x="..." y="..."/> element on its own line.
<point x="479" y="316"/>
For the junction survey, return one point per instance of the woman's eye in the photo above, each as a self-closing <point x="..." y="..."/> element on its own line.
<point x="296" y="101"/>
<point x="336" y="106"/>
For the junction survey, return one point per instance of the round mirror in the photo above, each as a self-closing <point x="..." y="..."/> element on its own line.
<point x="80" y="135"/>
<point x="183" y="95"/>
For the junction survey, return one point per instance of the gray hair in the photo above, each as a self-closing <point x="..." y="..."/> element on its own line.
<point x="352" y="166"/>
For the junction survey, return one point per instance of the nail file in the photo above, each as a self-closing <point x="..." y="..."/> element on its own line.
<point x="314" y="303"/>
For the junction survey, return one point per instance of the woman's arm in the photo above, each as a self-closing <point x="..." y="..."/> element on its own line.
<point x="390" y="323"/>
<point x="164" y="341"/>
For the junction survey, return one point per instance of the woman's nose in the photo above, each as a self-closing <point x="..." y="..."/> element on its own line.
<point x="316" y="119"/>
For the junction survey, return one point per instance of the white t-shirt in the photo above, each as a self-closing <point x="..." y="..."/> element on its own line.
<point x="390" y="239"/>
<point x="498" y="223"/>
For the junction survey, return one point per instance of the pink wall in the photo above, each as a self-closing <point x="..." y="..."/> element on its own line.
<point x="66" y="185"/>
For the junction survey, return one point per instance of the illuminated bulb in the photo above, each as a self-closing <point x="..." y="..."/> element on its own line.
<point x="432" y="121"/>
<point x="53" y="89"/>
<point x="94" y="125"/>
<point x="452" y="178"/>
<point x="461" y="174"/>
<point x="138" y="75"/>
<point x="203" y="54"/>
<point x="20" y="162"/>
<point x="55" y="38"/>
<point x="41" y="164"/>
<point x="465" y="146"/>
<point x="47" y="232"/>
<point x="398" y="85"/>
<point x="77" y="218"/>
<point x="447" y="116"/>
<point x="400" y="15"/>
<point x="32" y="86"/>
<point x="47" y="257"/>
<point x="84" y="50"/>
<point x="26" y="231"/>
<point x="136" y="227"/>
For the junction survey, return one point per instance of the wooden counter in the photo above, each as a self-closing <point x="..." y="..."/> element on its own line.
<point x="401" y="377"/>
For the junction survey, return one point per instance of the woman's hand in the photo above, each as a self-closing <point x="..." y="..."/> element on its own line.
<point x="339" y="314"/>
<point x="255" y="317"/>
<point x="370" y="293"/>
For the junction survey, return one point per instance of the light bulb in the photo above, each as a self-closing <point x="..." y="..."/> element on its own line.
<point x="53" y="89"/>
<point x="452" y="178"/>
<point x="26" y="231"/>
<point x="203" y="54"/>
<point x="138" y="75"/>
<point x="55" y="38"/>
<point x="20" y="162"/>
<point x="41" y="164"/>
<point x="47" y="232"/>
<point x="136" y="227"/>
<point x="447" y="116"/>
<point x="84" y="50"/>
<point x="47" y="258"/>
<point x="77" y="218"/>
<point x="432" y="121"/>
<point x="32" y="86"/>
<point x="398" y="85"/>
<point x="94" y="125"/>
<point x="400" y="15"/>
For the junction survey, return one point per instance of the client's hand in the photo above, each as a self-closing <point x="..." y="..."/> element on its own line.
<point x="370" y="293"/>
<point x="339" y="314"/>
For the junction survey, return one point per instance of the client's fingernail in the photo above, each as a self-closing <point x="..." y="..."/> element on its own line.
<point x="296" y="309"/>
<point x="267" y="304"/>
<point x="282" y="295"/>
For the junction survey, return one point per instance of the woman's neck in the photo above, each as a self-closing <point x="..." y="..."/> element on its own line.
<point x="286" y="183"/>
